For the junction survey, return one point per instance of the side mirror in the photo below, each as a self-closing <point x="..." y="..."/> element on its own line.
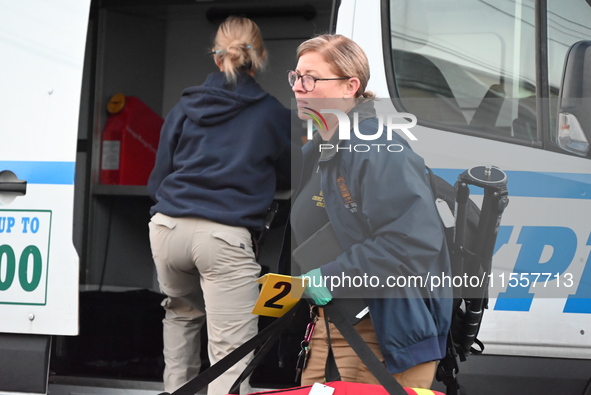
<point x="574" y="102"/>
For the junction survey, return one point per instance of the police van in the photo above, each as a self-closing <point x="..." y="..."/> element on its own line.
<point x="491" y="82"/>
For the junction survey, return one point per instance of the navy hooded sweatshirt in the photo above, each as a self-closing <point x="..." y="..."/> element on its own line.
<point x="222" y="149"/>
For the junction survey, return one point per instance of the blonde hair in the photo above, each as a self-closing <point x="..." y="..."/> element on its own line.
<point x="345" y="57"/>
<point x="238" y="45"/>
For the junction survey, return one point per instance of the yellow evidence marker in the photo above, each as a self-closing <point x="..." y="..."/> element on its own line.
<point x="279" y="294"/>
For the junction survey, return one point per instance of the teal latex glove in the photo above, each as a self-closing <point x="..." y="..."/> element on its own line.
<point x="316" y="289"/>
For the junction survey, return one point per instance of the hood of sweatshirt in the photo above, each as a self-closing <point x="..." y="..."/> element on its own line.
<point x="216" y="100"/>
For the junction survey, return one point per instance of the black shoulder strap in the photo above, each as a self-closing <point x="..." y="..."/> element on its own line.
<point x="362" y="349"/>
<point x="447" y="368"/>
<point x="331" y="370"/>
<point x="432" y="182"/>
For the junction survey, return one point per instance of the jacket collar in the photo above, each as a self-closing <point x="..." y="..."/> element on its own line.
<point x="365" y="110"/>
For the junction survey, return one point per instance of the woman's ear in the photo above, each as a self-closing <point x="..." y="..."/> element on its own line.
<point x="351" y="87"/>
<point x="218" y="62"/>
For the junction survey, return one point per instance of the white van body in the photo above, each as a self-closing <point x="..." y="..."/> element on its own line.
<point x="546" y="326"/>
<point x="536" y="333"/>
<point x="545" y="230"/>
<point x="43" y="47"/>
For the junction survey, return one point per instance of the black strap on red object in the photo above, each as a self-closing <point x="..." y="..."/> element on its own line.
<point x="267" y="337"/>
<point x="360" y="347"/>
<point x="264" y="339"/>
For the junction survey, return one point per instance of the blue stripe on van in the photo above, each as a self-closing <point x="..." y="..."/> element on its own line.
<point x="61" y="173"/>
<point x="535" y="184"/>
<point x="520" y="183"/>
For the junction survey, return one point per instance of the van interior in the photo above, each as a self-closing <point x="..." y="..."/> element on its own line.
<point x="151" y="51"/>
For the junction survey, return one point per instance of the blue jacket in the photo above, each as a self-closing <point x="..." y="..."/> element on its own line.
<point x="383" y="213"/>
<point x="222" y="150"/>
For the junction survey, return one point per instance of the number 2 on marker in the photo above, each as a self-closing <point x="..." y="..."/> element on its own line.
<point x="284" y="292"/>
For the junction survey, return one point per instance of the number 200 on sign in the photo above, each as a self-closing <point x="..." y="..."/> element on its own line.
<point x="27" y="269"/>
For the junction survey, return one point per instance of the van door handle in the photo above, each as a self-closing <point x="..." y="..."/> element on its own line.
<point x="18" y="187"/>
<point x="11" y="186"/>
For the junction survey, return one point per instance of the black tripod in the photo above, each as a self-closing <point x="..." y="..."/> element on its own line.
<point x="475" y="260"/>
<point x="494" y="182"/>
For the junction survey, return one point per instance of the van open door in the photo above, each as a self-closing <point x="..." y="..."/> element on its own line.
<point x="42" y="45"/>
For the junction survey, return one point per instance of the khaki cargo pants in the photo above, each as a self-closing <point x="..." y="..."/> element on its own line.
<point x="204" y="268"/>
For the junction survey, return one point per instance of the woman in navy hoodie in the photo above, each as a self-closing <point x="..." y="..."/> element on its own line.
<point x="223" y="149"/>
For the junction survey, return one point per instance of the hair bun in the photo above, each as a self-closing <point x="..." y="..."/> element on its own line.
<point x="238" y="52"/>
<point x="239" y="37"/>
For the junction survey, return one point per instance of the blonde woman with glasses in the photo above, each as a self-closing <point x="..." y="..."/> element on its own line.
<point x="378" y="205"/>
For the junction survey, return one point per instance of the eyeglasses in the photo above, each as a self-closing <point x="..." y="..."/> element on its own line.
<point x="308" y="81"/>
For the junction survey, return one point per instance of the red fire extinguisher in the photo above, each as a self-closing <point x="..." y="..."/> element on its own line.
<point x="129" y="141"/>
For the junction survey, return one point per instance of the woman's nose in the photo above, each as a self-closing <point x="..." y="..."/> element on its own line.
<point x="297" y="86"/>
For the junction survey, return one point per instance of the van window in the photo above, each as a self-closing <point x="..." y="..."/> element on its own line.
<point x="569" y="21"/>
<point x="467" y="65"/>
